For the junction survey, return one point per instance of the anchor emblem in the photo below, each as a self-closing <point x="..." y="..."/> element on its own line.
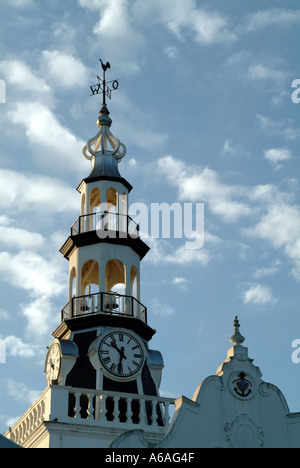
<point x="242" y="386"/>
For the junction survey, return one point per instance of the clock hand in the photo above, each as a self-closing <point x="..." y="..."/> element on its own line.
<point x="120" y="351"/>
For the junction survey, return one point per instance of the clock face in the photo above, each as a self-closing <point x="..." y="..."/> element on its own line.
<point x="121" y="354"/>
<point x="53" y="363"/>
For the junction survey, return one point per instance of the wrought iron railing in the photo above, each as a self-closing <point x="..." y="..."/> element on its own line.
<point x="105" y="303"/>
<point x="105" y="221"/>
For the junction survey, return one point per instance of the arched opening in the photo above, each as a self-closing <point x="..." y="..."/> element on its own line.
<point x="72" y="283"/>
<point x="115" y="281"/>
<point x="88" y="302"/>
<point x="134" y="282"/>
<point x="95" y="200"/>
<point x="90" y="278"/>
<point x="111" y="198"/>
<point x="83" y="205"/>
<point x="115" y="274"/>
<point x="112" y="209"/>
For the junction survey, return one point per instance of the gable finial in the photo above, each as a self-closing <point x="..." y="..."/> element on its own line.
<point x="237" y="338"/>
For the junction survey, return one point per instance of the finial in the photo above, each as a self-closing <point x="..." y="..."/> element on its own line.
<point x="104" y="142"/>
<point x="237" y="338"/>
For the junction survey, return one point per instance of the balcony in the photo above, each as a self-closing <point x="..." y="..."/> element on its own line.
<point x="94" y="410"/>
<point x="105" y="224"/>
<point x="108" y="303"/>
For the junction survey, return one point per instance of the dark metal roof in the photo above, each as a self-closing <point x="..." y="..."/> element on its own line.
<point x="6" y="443"/>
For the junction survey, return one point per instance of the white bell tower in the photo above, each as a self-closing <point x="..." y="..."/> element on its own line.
<point x="102" y="377"/>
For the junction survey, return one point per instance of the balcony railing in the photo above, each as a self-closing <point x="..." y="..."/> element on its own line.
<point x="115" y="412"/>
<point x="105" y="221"/>
<point x="105" y="303"/>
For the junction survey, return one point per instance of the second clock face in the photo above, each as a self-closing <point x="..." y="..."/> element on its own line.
<point x="121" y="354"/>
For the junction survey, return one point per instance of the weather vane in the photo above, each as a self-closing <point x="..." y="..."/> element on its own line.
<point x="102" y="86"/>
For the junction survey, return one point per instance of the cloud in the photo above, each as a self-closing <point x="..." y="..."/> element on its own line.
<point x="43" y="129"/>
<point x="35" y="193"/>
<point x="258" y="294"/>
<point x="19" y="238"/>
<point x="231" y="150"/>
<point x="117" y="34"/>
<point x="283" y="128"/>
<point x="43" y="279"/>
<point x="64" y="70"/>
<point x="277" y="155"/>
<point x="204" y="185"/>
<point x="20" y="392"/>
<point x="19" y="3"/>
<point x="260" y="72"/>
<point x="22" y="78"/>
<point x="4" y="315"/>
<point x="268" y="271"/>
<point x="15" y="347"/>
<point x="181" y="283"/>
<point x="280" y="227"/>
<point x="271" y="80"/>
<point x="272" y="17"/>
<point x="163" y="310"/>
<point x="185" y="19"/>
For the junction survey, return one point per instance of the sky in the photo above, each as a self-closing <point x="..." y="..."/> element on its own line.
<point x="207" y="110"/>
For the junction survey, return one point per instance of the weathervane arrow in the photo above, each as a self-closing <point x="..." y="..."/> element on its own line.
<point x="102" y="85"/>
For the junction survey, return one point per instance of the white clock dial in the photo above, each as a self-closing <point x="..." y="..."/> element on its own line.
<point x="53" y="363"/>
<point x="121" y="354"/>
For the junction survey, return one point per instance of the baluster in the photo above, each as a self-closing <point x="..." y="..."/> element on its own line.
<point x="154" y="414"/>
<point x="77" y="405"/>
<point x="143" y="415"/>
<point x="115" y="414"/>
<point x="102" y="407"/>
<point x="90" y="410"/>
<point x="129" y="414"/>
<point x="167" y="414"/>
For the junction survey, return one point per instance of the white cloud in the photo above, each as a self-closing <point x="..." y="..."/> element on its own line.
<point x="231" y="150"/>
<point x="33" y="192"/>
<point x="64" y="70"/>
<point x="19" y="3"/>
<point x="163" y="310"/>
<point x="181" y="283"/>
<point x="280" y="227"/>
<point x="282" y="128"/>
<point x="4" y="315"/>
<point x="268" y="271"/>
<point x="120" y="39"/>
<point x="260" y="72"/>
<point x="272" y="17"/>
<point x="258" y="294"/>
<point x="43" y="279"/>
<point x="20" y="392"/>
<point x="271" y="80"/>
<point x="184" y="18"/>
<point x="44" y="129"/>
<point x="17" y="348"/>
<point x="32" y="272"/>
<point x="204" y="185"/>
<point x="22" y="78"/>
<point x="277" y="155"/>
<point x="20" y="238"/>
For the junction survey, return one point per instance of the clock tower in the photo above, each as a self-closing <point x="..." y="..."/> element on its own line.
<point x="102" y="376"/>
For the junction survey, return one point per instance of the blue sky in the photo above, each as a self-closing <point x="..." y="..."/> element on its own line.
<point x="205" y="109"/>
